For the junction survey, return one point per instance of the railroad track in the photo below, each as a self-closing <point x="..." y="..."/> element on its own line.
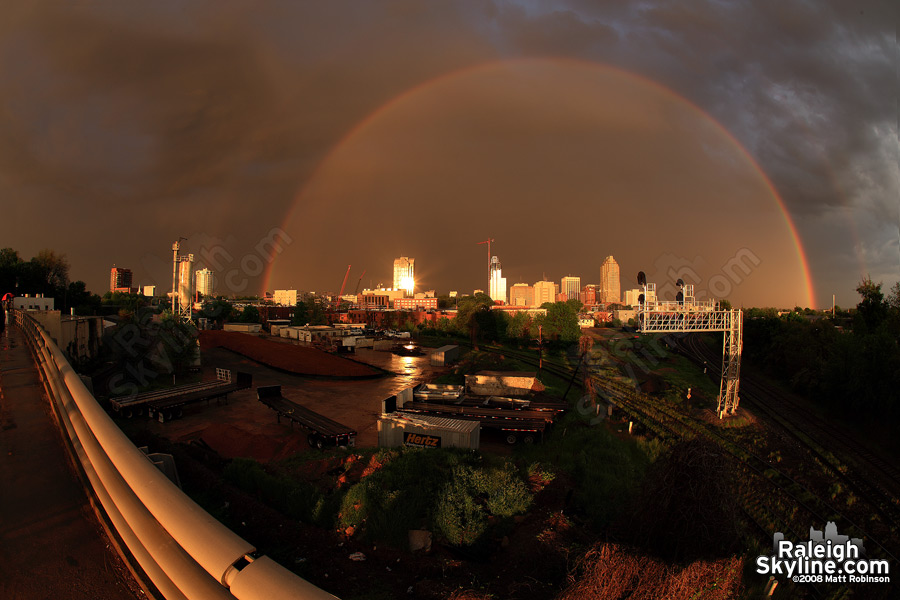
<point x="869" y="476"/>
<point x="765" y="492"/>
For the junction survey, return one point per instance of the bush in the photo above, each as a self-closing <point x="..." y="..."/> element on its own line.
<point x="475" y="494"/>
<point x="459" y="518"/>
<point x="295" y="499"/>
<point x="605" y="471"/>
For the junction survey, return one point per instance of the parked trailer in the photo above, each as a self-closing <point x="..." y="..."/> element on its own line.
<point x="321" y="431"/>
<point x="444" y="356"/>
<point x="425" y="431"/>
<point x="453" y="394"/>
<point x="512" y="424"/>
<point x="167" y="404"/>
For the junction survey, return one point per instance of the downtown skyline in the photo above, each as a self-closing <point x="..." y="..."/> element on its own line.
<point x="674" y="137"/>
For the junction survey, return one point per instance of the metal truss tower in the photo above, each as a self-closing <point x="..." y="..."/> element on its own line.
<point x="181" y="287"/>
<point x="686" y="315"/>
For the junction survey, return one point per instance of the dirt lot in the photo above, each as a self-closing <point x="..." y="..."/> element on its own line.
<point x="243" y="426"/>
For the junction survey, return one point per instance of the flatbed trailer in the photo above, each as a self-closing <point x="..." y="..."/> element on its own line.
<point x="321" y="431"/>
<point x="453" y="394"/>
<point x="167" y="404"/>
<point x="480" y="411"/>
<point x="514" y="425"/>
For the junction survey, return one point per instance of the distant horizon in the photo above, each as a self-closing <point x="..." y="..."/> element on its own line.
<point x="673" y="138"/>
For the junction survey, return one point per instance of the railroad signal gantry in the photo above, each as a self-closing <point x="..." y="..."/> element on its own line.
<point x="688" y="315"/>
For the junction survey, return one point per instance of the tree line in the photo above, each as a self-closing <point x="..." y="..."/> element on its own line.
<point x="848" y="362"/>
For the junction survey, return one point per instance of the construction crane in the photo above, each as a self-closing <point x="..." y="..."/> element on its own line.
<point x="337" y="302"/>
<point x="488" y="242"/>
<point x="356" y="292"/>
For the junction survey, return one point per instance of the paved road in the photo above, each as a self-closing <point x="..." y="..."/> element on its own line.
<point x="51" y="545"/>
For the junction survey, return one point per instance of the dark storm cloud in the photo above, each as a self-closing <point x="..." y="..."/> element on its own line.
<point x="216" y="113"/>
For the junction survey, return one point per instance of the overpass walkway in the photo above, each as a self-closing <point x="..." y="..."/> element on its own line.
<point x="51" y="543"/>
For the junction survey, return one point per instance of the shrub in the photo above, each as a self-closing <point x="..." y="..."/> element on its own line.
<point x="472" y="496"/>
<point x="459" y="518"/>
<point x="293" y="498"/>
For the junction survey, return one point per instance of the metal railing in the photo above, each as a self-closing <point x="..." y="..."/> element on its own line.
<point x="184" y="551"/>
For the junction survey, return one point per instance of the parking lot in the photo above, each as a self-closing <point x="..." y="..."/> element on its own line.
<point x="242" y="426"/>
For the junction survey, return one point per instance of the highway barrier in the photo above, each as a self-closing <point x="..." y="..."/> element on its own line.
<point x="184" y="551"/>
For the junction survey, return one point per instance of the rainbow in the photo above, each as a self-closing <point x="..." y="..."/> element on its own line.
<point x="410" y="94"/>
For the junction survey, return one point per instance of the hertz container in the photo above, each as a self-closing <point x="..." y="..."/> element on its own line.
<point x="444" y="356"/>
<point x="418" y="431"/>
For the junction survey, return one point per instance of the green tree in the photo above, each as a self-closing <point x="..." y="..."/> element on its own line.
<point x="561" y="322"/>
<point x="317" y="313"/>
<point x="518" y="326"/>
<point x="894" y="297"/>
<point x="576" y="305"/>
<point x="301" y="314"/>
<point x="77" y="297"/>
<point x="10" y="270"/>
<point x="872" y="309"/>
<point x="250" y="314"/>
<point x="218" y="310"/>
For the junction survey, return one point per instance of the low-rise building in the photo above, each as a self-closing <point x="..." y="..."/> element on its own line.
<point x="285" y="297"/>
<point x="521" y="294"/>
<point x="586" y="320"/>
<point x="29" y="302"/>
<point x="416" y="304"/>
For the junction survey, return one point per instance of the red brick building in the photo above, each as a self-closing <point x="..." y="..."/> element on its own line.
<point x="416" y="304"/>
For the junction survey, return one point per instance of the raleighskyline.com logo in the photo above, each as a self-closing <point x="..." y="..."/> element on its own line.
<point x="826" y="558"/>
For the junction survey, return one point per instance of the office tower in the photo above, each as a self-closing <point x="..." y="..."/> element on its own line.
<point x="544" y="291"/>
<point x="404" y="274"/>
<point x="521" y="294"/>
<point x="610" y="291"/>
<point x="497" y="283"/>
<point x="571" y="287"/>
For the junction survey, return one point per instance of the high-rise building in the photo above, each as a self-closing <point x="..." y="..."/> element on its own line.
<point x="632" y="297"/>
<point x="521" y="294"/>
<point x="610" y="290"/>
<point x="497" y="283"/>
<point x="544" y="291"/>
<point x="570" y="287"/>
<point x="405" y="274"/>
<point x="120" y="280"/>
<point x="205" y="282"/>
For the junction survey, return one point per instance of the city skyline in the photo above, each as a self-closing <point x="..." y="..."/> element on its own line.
<point x="677" y="136"/>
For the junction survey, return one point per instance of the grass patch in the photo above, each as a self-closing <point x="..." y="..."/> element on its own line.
<point x="606" y="471"/>
<point x="294" y="498"/>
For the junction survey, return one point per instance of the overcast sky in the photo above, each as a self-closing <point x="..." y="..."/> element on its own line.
<point x="566" y="131"/>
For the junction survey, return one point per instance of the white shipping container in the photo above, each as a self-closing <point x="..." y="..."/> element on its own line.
<point x="398" y="429"/>
<point x="365" y="342"/>
<point x="444" y="356"/>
